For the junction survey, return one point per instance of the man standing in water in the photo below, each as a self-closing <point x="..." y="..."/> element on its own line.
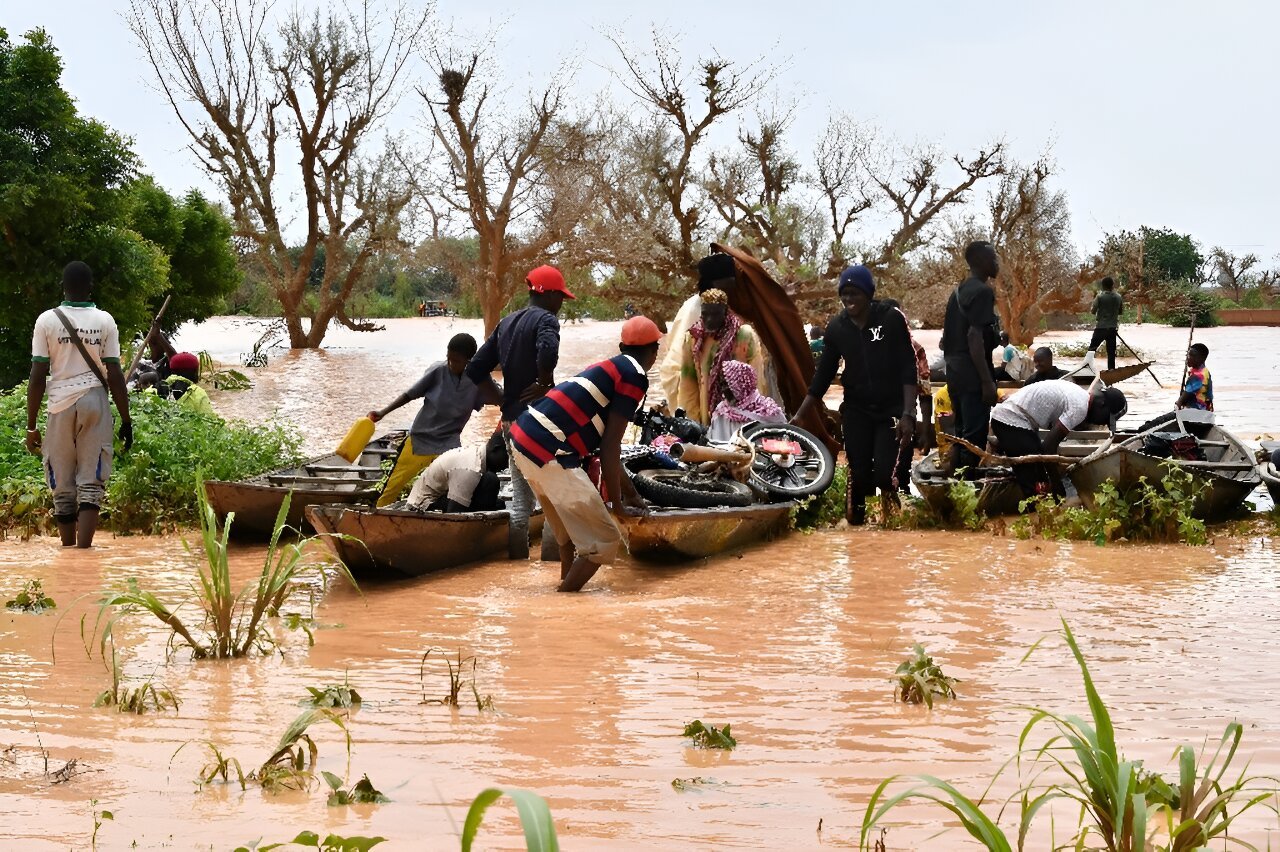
<point x="526" y="345"/>
<point x="879" y="388"/>
<point x="585" y="415"/>
<point x="75" y="355"/>
<point x="969" y="333"/>
<point x="719" y="336"/>
<point x="1107" y="306"/>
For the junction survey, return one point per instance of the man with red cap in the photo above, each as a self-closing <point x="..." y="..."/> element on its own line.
<point x="184" y="373"/>
<point x="526" y="346"/>
<point x="557" y="434"/>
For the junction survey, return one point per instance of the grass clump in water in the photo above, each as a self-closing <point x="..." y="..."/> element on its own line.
<point x="709" y="736"/>
<point x="335" y="695"/>
<point x="822" y="510"/>
<point x="31" y="599"/>
<point x="293" y="764"/>
<point x="459" y="676"/>
<point x="920" y="680"/>
<point x="361" y="793"/>
<point x="329" y="843"/>
<point x="137" y="700"/>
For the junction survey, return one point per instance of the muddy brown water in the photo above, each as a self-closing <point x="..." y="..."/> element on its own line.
<point x="793" y="642"/>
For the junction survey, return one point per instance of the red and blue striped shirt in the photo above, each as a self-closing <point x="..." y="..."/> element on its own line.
<point x="567" y="424"/>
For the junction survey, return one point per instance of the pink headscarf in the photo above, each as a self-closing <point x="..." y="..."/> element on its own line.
<point x="749" y="404"/>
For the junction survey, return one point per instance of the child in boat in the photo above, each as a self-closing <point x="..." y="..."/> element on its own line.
<point x="448" y="399"/>
<point x="464" y="479"/>
<point x="742" y="404"/>
<point x="1198" y="391"/>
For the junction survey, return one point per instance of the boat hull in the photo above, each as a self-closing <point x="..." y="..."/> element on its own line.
<point x="1270" y="478"/>
<point x="998" y="492"/>
<point x="679" y="534"/>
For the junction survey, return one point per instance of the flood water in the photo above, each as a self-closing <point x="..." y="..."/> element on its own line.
<point x="793" y="642"/>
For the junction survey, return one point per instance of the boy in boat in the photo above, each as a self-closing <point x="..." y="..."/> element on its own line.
<point x="585" y="415"/>
<point x="1198" y="391"/>
<point x="464" y="479"/>
<point x="448" y="397"/>
<point x="184" y="373"/>
<point x="526" y="346"/>
<point x="719" y="336"/>
<point x="75" y="355"/>
<point x="1058" y="407"/>
<point x="1044" y="369"/>
<point x="1107" y="307"/>
<point x="879" y="383"/>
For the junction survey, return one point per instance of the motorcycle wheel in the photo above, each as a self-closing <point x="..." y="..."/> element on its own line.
<point x="683" y="490"/>
<point x="811" y="473"/>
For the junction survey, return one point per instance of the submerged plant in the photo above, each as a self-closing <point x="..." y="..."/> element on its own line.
<point x="234" y="623"/>
<point x="535" y="818"/>
<point x="341" y="695"/>
<point x="709" y="736"/>
<point x="293" y="764"/>
<point x="825" y="509"/>
<point x="459" y="676"/>
<point x="99" y="817"/>
<point x="964" y="502"/>
<point x="218" y="768"/>
<point x="137" y="699"/>
<point x="920" y="679"/>
<point x="31" y="599"/>
<point x="362" y="793"/>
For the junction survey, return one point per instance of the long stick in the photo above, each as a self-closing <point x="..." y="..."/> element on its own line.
<point x="1134" y="353"/>
<point x="142" y="347"/>
<point x="985" y="456"/>
<point x="1185" y="365"/>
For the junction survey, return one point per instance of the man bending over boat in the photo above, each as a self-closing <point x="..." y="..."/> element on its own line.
<point x="464" y="479"/>
<point x="558" y="433"/>
<point x="1058" y="407"/>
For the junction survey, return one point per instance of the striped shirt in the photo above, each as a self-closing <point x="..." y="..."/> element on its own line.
<point x="567" y="424"/>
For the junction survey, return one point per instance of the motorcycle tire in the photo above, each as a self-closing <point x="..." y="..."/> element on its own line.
<point x="678" y="489"/>
<point x="812" y="473"/>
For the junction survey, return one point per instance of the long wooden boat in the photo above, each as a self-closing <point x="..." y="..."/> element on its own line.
<point x="1267" y="471"/>
<point x="385" y="544"/>
<point x="1229" y="472"/>
<point x="998" y="490"/>
<point x="1086" y="372"/>
<point x="324" y="479"/>
<point x="676" y="534"/>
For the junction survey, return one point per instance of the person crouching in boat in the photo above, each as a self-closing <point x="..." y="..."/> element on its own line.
<point x="558" y="433"/>
<point x="184" y="375"/>
<point x="464" y="479"/>
<point x="1058" y="406"/>
<point x="879" y="388"/>
<point x="742" y="403"/>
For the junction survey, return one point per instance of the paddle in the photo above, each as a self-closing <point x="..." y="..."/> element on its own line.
<point x="1134" y="353"/>
<point x="142" y="347"/>
<point x="1185" y="365"/>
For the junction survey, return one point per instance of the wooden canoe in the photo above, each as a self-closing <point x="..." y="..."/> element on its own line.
<point x="324" y="479"/>
<point x="1229" y="472"/>
<point x="678" y="534"/>
<point x="1086" y="372"/>
<point x="1267" y="471"/>
<point x="388" y="544"/>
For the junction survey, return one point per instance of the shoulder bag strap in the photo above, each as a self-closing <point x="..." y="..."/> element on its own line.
<point x="75" y="338"/>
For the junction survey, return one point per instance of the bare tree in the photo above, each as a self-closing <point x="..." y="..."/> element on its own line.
<point x="1233" y="270"/>
<point x="842" y="174"/>
<point x="253" y="93"/>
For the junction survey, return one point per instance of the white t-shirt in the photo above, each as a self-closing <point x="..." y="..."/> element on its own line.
<point x="1043" y="404"/>
<point x="454" y="474"/>
<point x="69" y="376"/>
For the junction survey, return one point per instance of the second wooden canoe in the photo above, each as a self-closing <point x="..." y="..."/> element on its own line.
<point x="678" y="534"/>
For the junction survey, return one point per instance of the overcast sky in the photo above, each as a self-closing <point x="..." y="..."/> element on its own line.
<point x="1158" y="113"/>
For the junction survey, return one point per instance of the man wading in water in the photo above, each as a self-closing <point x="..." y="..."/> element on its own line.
<point x="969" y="334"/>
<point x="553" y="439"/>
<point x="879" y="387"/>
<point x="71" y="349"/>
<point x="526" y="345"/>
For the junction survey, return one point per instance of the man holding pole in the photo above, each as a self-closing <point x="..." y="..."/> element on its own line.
<point x="1107" y="307"/>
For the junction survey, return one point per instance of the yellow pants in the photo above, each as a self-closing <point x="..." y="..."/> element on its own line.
<point x="408" y="466"/>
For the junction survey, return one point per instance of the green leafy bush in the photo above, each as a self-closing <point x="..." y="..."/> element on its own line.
<point x="825" y="509"/>
<point x="709" y="736"/>
<point x="31" y="599"/>
<point x="153" y="486"/>
<point x="920" y="680"/>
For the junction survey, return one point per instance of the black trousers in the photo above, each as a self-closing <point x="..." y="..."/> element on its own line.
<point x="1014" y="442"/>
<point x="1107" y="336"/>
<point x="872" y="449"/>
<point x="973" y="417"/>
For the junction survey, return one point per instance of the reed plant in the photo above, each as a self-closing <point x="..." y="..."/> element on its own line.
<point x="461" y="672"/>
<point x="709" y="736"/>
<point x="135" y="699"/>
<point x="535" y="818"/>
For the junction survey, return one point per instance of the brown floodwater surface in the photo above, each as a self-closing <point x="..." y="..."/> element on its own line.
<point x="792" y="642"/>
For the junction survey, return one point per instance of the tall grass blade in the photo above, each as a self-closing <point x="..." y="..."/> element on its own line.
<point x="535" y="818"/>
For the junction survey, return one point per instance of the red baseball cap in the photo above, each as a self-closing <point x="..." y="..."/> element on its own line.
<point x="640" y="331"/>
<point x="547" y="279"/>
<point x="184" y="361"/>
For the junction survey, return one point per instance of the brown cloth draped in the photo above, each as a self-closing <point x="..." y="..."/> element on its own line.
<point x="763" y="303"/>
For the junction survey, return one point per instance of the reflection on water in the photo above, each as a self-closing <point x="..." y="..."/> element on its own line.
<point x="793" y="643"/>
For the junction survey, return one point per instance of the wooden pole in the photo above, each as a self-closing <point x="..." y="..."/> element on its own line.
<point x="1139" y="357"/>
<point x="1190" y="336"/>
<point x="142" y="347"/>
<point x="985" y="456"/>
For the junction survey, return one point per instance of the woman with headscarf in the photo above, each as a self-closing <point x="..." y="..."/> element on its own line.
<point x="718" y="336"/>
<point x="742" y="404"/>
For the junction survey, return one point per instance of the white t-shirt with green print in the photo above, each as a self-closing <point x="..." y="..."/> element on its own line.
<point x="69" y="376"/>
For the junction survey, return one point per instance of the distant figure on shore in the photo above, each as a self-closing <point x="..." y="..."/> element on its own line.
<point x="1107" y="306"/>
<point x="1044" y="370"/>
<point x="816" y="343"/>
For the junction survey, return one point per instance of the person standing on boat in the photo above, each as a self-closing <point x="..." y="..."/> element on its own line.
<point x="969" y="334"/>
<point x="448" y="399"/>
<point x="558" y="433"/>
<point x="715" y="272"/>
<point x="75" y="356"/>
<point x="719" y="336"/>
<point x="464" y="479"/>
<point x="526" y="346"/>
<point x="1043" y="371"/>
<point x="879" y="384"/>
<point x="1107" y="307"/>
<point x="1058" y="407"/>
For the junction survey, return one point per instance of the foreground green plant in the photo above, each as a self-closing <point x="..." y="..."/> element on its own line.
<point x="31" y="599"/>
<point x="137" y="700"/>
<point x="709" y="736"/>
<point x="99" y="817"/>
<point x="920" y="679"/>
<point x="293" y="764"/>
<point x="459" y="675"/>
<point x="822" y="510"/>
<point x="361" y="793"/>
<point x="535" y="818"/>
<point x="329" y="843"/>
<point x="964" y="503"/>
<point x="1120" y="803"/>
<point x="233" y="623"/>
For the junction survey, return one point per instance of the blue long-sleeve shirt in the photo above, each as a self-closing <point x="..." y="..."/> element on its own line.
<point x="525" y="344"/>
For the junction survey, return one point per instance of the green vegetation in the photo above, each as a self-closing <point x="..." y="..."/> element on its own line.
<point x="339" y="695"/>
<point x="709" y="736"/>
<point x="153" y="486"/>
<point x="362" y="793"/>
<point x="218" y="768"/>
<point x="964" y="505"/>
<point x="136" y="700"/>
<point x="212" y="375"/>
<point x="825" y="509"/>
<point x="99" y="817"/>
<point x="31" y="599"/>
<point x="920" y="679"/>
<point x="458" y="677"/>
<point x="329" y="843"/>
<point x="1118" y="801"/>
<point x="535" y="818"/>
<point x="234" y="623"/>
<point x="682" y="784"/>
<point x="292" y="766"/>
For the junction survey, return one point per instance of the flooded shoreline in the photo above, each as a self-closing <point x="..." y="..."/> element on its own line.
<point x="793" y="642"/>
